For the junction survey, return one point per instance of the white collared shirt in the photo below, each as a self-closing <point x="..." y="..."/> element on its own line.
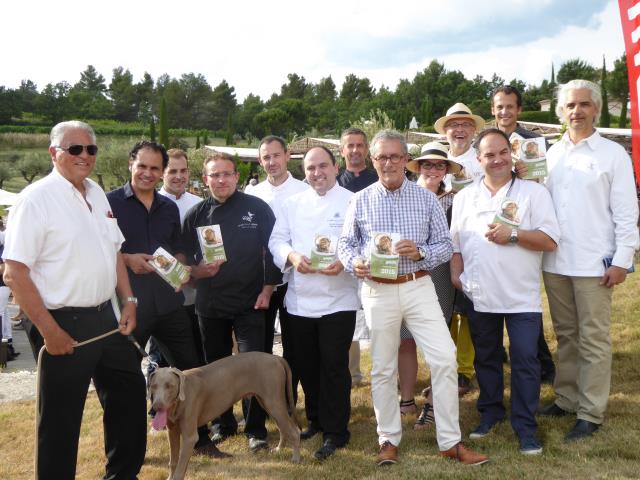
<point x="70" y="250"/>
<point x="184" y="203"/>
<point x="300" y="218"/>
<point x="594" y="196"/>
<point x="501" y="278"/>
<point x="275" y="195"/>
<point x="472" y="167"/>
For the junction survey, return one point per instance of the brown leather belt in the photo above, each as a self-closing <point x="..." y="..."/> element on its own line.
<point x="402" y="278"/>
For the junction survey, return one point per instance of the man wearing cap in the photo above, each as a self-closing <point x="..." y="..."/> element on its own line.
<point x="460" y="127"/>
<point x="496" y="262"/>
<point x="279" y="185"/>
<point x="322" y="299"/>
<point x="586" y="173"/>
<point x="394" y="205"/>
<point x="506" y="105"/>
<point x="64" y="265"/>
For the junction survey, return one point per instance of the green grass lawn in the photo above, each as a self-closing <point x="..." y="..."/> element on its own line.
<point x="611" y="454"/>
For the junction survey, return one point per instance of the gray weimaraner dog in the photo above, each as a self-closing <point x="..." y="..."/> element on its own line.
<point x="185" y="400"/>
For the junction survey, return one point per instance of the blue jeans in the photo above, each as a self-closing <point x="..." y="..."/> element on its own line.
<point x="486" y="334"/>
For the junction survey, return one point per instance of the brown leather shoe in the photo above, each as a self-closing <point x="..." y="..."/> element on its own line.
<point x="388" y="454"/>
<point x="465" y="455"/>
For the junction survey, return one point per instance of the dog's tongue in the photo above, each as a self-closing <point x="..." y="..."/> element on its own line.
<point x="160" y="420"/>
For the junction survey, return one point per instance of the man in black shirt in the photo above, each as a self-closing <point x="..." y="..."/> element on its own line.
<point x="233" y="294"/>
<point x="148" y="221"/>
<point x="355" y="149"/>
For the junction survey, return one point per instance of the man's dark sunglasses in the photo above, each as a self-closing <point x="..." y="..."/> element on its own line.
<point x="77" y="149"/>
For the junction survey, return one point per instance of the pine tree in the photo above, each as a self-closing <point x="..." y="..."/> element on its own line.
<point x="229" y="136"/>
<point x="164" y="126"/>
<point x="605" y="118"/>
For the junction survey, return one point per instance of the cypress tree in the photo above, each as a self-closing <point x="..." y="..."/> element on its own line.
<point x="197" y="142"/>
<point x="152" y="129"/>
<point x="164" y="127"/>
<point x="605" y="118"/>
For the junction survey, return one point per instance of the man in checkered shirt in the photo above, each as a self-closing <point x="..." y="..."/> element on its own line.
<point x="396" y="205"/>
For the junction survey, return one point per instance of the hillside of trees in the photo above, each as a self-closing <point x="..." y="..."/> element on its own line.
<point x="300" y="107"/>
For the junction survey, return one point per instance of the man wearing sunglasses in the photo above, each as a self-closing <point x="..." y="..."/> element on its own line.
<point x="64" y="265"/>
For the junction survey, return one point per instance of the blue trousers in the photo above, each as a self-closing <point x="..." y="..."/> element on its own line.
<point x="486" y="334"/>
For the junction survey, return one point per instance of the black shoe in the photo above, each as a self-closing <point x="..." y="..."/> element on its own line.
<point x="328" y="448"/>
<point x="257" y="444"/>
<point x="582" y="429"/>
<point x="220" y="437"/>
<point x="310" y="432"/>
<point x="548" y="377"/>
<point x="553" y="410"/>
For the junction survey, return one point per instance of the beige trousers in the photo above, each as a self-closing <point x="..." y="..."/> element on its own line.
<point x="581" y="314"/>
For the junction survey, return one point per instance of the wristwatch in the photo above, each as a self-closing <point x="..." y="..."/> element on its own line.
<point x="422" y="253"/>
<point x="133" y="300"/>
<point x="514" y="236"/>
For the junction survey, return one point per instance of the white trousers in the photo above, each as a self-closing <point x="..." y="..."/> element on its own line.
<point x="6" y="321"/>
<point x="385" y="307"/>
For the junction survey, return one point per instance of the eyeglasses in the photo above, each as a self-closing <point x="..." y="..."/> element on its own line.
<point x="221" y="175"/>
<point x="77" y="149"/>
<point x="395" y="158"/>
<point x="437" y="166"/>
<point x="453" y="126"/>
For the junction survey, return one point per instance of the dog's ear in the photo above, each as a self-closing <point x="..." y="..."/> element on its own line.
<point x="181" y="387"/>
<point x="149" y="380"/>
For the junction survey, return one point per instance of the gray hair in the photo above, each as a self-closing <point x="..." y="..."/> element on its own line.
<point x="57" y="132"/>
<point x="594" y="89"/>
<point x="388" y="134"/>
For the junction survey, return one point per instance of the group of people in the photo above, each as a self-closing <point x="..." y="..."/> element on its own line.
<point x="78" y="262"/>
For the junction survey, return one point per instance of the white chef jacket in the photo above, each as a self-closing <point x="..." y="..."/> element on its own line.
<point x="501" y="278"/>
<point x="299" y="220"/>
<point x="594" y="195"/>
<point x="71" y="251"/>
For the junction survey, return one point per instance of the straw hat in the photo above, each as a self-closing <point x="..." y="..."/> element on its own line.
<point x="434" y="151"/>
<point x="459" y="110"/>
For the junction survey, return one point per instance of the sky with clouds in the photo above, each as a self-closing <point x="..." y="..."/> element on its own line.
<point x="254" y="45"/>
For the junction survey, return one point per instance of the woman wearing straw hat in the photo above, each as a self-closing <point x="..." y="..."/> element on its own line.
<point x="431" y="167"/>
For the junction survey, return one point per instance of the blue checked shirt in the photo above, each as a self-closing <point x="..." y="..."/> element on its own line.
<point x="411" y="211"/>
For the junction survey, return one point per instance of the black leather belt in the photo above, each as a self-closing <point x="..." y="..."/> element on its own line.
<point x="97" y="308"/>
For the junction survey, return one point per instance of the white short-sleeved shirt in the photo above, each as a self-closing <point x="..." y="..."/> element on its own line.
<point x="301" y="217"/>
<point x="593" y="191"/>
<point x="70" y="250"/>
<point x="501" y="278"/>
<point x="275" y="195"/>
<point x="469" y="160"/>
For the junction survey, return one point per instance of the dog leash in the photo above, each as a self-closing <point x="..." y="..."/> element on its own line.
<point x="131" y="338"/>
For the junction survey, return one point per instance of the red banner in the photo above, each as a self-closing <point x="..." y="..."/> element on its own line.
<point x="630" y="17"/>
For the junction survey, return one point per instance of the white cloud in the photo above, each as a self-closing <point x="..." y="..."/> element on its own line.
<point x="254" y="45"/>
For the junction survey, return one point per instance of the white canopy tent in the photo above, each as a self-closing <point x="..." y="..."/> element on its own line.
<point x="8" y="198"/>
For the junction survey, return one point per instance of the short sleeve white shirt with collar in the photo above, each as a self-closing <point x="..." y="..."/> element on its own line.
<point x="302" y="217"/>
<point x="70" y="250"/>
<point x="275" y="195"/>
<point x="501" y="278"/>
<point x="592" y="187"/>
